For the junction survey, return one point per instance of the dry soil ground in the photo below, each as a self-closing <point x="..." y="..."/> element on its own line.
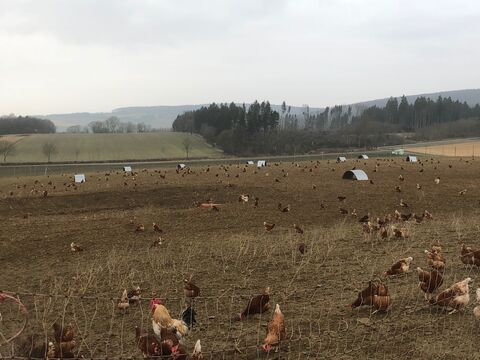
<point x="231" y="257"/>
<point x="466" y="148"/>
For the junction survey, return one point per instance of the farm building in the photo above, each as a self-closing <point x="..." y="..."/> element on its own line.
<point x="341" y="159"/>
<point x="261" y="163"/>
<point x="355" y="175"/>
<point x="250" y="162"/>
<point x="127" y="168"/>
<point x="411" y="158"/>
<point x="79" y="178"/>
<point x="398" y="152"/>
<point x="363" y="156"/>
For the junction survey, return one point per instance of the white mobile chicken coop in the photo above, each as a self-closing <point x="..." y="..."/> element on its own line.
<point x="411" y="158"/>
<point x="79" y="178"/>
<point x="363" y="156"/>
<point x="181" y="166"/>
<point x="341" y="159"/>
<point x="127" y="168"/>
<point x="356" y="174"/>
<point x="261" y="163"/>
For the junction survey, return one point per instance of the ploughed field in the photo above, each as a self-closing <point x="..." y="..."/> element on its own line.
<point x="230" y="256"/>
<point x="449" y="148"/>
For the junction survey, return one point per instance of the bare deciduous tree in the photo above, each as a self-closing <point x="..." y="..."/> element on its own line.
<point x="7" y="148"/>
<point x="187" y="144"/>
<point x="49" y="149"/>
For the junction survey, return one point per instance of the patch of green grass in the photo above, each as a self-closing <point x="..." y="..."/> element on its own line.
<point x="115" y="147"/>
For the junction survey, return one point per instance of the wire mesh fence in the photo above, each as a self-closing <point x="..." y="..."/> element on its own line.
<point x="315" y="329"/>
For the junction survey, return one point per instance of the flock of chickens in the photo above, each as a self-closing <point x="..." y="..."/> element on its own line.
<point x="168" y="334"/>
<point x="454" y="298"/>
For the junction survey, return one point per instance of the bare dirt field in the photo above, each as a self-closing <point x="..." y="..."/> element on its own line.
<point x="465" y="149"/>
<point x="231" y="257"/>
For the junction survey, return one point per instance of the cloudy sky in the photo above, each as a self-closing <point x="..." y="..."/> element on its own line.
<point x="97" y="55"/>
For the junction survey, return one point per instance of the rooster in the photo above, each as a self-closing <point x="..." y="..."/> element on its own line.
<point x="341" y="198"/>
<point x="162" y="320"/>
<point x="343" y="211"/>
<point x="437" y="180"/>
<point x="188" y="317"/>
<point x="419" y="187"/>
<point x="456" y="297"/>
<point x="286" y="209"/>
<point x="401" y="178"/>
<point x="463" y="192"/>
<point x="268" y="226"/>
<point x="403" y="204"/>
<point x="400" y="267"/>
<point x="255" y="204"/>
<point x="429" y="281"/>
<point x="476" y="309"/>
<point x="75" y="247"/>
<point x="258" y="304"/>
<point x="298" y="229"/>
<point x="140" y="228"/>
<point x="275" y="330"/>
<point x="398" y="188"/>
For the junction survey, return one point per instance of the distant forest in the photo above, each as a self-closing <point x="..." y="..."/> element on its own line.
<point x="25" y="125"/>
<point x="258" y="129"/>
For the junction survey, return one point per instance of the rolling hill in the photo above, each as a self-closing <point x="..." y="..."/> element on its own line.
<point x="110" y="147"/>
<point x="163" y="116"/>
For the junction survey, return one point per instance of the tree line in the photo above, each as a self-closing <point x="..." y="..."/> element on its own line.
<point x="424" y="112"/>
<point x="25" y="125"/>
<point x="234" y="128"/>
<point x="257" y="129"/>
<point x="111" y="125"/>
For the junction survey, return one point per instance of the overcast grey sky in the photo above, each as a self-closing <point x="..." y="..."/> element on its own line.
<point x="96" y="55"/>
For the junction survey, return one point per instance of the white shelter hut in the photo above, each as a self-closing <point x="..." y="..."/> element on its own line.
<point x="356" y="174"/>
<point x="79" y="178"/>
